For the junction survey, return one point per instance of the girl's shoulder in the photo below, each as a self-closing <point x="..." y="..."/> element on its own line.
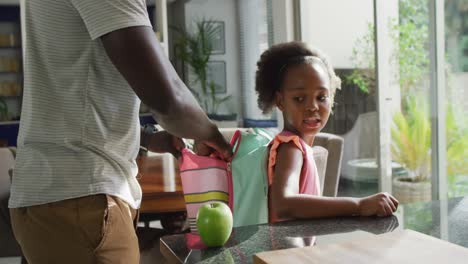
<point x="287" y="137"/>
<point x="288" y="146"/>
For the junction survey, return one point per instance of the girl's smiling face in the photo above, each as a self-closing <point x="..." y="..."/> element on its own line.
<point x="304" y="99"/>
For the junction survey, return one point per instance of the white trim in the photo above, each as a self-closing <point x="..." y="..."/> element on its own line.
<point x="10" y="260"/>
<point x="284" y="30"/>
<point x="160" y="15"/>
<point x="383" y="68"/>
<point x="23" y="28"/>
<point x="443" y="214"/>
<point x="9" y="2"/>
<point x="298" y="19"/>
<point x="9" y="123"/>
<point x="437" y="95"/>
<point x="283" y="22"/>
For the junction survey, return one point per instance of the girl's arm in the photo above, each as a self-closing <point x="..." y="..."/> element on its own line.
<point x="288" y="203"/>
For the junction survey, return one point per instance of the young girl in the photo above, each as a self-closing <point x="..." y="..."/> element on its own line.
<point x="301" y="83"/>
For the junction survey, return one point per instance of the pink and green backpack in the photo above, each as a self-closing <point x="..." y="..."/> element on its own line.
<point x="241" y="182"/>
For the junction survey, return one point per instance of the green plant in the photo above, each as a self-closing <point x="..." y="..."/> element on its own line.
<point x="195" y="49"/>
<point x="215" y="100"/>
<point x="411" y="131"/>
<point x="411" y="139"/>
<point x="457" y="152"/>
<point x="363" y="59"/>
<point x="410" y="38"/>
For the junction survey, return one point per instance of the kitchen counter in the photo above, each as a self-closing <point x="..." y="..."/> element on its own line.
<point x="447" y="220"/>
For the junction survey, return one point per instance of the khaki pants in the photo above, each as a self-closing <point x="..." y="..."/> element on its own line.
<point x="91" y="229"/>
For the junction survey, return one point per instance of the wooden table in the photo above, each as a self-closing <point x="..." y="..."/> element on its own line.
<point x="160" y="182"/>
<point x="402" y="246"/>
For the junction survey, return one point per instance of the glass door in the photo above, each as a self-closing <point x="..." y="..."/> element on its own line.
<point x="456" y="96"/>
<point x="344" y="30"/>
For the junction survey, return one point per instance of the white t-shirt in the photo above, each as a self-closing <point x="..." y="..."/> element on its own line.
<point x="79" y="131"/>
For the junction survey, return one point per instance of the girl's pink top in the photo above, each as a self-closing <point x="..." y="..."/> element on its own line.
<point x="309" y="182"/>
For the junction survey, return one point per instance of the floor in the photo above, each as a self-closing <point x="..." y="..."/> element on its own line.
<point x="348" y="188"/>
<point x="149" y="245"/>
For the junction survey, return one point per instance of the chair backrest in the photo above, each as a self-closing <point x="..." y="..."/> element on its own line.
<point x="360" y="142"/>
<point x="334" y="145"/>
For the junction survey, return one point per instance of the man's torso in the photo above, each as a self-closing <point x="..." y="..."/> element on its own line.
<point x="79" y="130"/>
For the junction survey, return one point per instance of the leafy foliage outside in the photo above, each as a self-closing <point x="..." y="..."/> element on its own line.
<point x="411" y="139"/>
<point x="363" y="59"/>
<point x="411" y="131"/>
<point x="410" y="38"/>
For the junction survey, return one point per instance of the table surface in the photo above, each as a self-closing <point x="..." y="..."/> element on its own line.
<point x="442" y="219"/>
<point x="160" y="193"/>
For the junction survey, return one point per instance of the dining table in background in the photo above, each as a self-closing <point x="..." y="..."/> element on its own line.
<point x="163" y="198"/>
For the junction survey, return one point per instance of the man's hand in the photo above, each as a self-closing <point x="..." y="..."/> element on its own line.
<point x="216" y="143"/>
<point x="162" y="141"/>
<point x="380" y="204"/>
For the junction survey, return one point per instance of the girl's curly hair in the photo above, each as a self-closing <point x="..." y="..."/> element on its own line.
<point x="273" y="65"/>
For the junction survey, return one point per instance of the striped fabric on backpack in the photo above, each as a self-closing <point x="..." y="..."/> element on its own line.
<point x="204" y="180"/>
<point x="241" y="182"/>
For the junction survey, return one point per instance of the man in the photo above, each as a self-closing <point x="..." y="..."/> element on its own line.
<point x="87" y="62"/>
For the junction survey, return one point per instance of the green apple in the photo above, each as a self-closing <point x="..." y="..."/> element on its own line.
<point x="214" y="223"/>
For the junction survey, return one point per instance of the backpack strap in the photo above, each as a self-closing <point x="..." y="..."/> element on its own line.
<point x="235" y="142"/>
<point x="263" y="133"/>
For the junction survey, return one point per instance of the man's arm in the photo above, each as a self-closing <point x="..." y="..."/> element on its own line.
<point x="140" y="59"/>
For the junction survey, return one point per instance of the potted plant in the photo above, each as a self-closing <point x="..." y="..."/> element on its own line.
<point x="411" y="147"/>
<point x="194" y="50"/>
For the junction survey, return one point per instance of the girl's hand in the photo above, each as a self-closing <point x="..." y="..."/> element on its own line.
<point x="380" y="204"/>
